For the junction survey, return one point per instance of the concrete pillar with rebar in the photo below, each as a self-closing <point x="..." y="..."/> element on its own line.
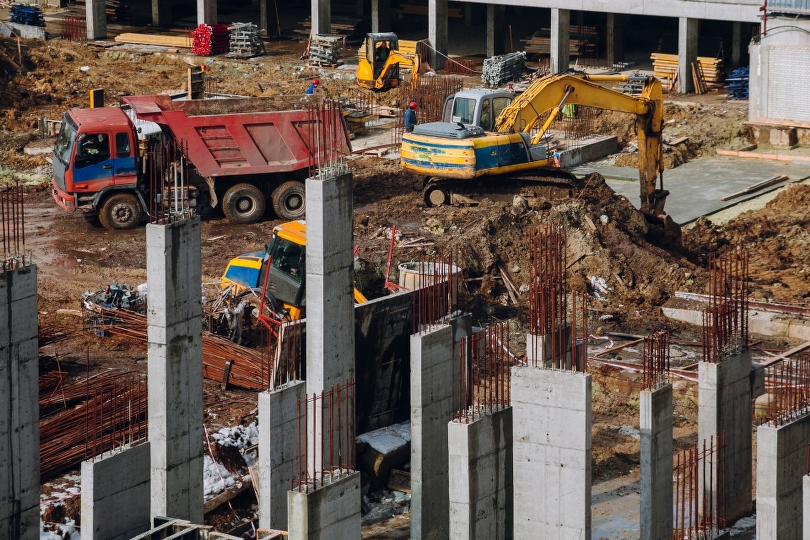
<point x="19" y="403"/>
<point x="687" y="53"/>
<point x="174" y="327"/>
<point x="560" y="39"/>
<point x="438" y="31"/>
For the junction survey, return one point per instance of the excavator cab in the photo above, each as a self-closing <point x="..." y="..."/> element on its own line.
<point x="379" y="65"/>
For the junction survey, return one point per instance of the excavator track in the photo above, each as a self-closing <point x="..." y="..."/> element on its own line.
<point x="546" y="184"/>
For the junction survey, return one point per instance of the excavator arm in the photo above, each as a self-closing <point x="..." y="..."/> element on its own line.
<point x="404" y="60"/>
<point x="550" y="94"/>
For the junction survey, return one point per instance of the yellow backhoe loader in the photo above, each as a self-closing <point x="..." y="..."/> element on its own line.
<point x="379" y="67"/>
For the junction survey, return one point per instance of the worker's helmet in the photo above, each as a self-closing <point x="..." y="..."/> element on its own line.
<point x="316" y="82"/>
<point x="412" y="105"/>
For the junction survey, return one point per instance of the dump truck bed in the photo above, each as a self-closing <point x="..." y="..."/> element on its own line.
<point x="225" y="137"/>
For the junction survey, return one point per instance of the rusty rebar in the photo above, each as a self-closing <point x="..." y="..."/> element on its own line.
<point x="440" y="288"/>
<point x="725" y="320"/>
<point x="169" y="189"/>
<point x="699" y="490"/>
<point x="788" y="386"/>
<point x="655" y="359"/>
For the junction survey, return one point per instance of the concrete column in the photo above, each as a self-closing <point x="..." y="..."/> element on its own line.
<point x="724" y="405"/>
<point x="437" y="31"/>
<point x="161" y="12"/>
<point x="174" y="329"/>
<point x="433" y="400"/>
<point x="481" y="491"/>
<point x="278" y="448"/>
<point x="615" y="38"/>
<point x="327" y="513"/>
<point x="495" y="33"/>
<point x="19" y="404"/>
<point x="380" y="15"/>
<point x="206" y="11"/>
<point x="467" y="14"/>
<point x="321" y="16"/>
<point x="806" y="506"/>
<point x="96" y="14"/>
<point x="330" y="283"/>
<point x="781" y="455"/>
<point x="115" y="495"/>
<point x="560" y="39"/>
<point x="655" y="408"/>
<point x="687" y="53"/>
<point x="552" y="453"/>
<point x="736" y="42"/>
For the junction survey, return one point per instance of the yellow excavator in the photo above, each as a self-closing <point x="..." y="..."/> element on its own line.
<point x="460" y="159"/>
<point x="378" y="68"/>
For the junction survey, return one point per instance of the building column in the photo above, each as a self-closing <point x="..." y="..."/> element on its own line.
<point x="467" y="14"/>
<point x="687" y="53"/>
<point x="380" y="15"/>
<point x="615" y="39"/>
<point x="206" y="11"/>
<point x="360" y="7"/>
<point x="321" y="16"/>
<point x="437" y="31"/>
<point x="161" y="12"/>
<point x="96" y="15"/>
<point x="655" y="426"/>
<point x="560" y="39"/>
<point x="736" y="41"/>
<point x="495" y="34"/>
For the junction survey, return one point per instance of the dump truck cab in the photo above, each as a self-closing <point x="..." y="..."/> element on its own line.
<point x="284" y="258"/>
<point x="476" y="106"/>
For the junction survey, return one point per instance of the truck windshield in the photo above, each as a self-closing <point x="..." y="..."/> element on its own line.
<point x="463" y="110"/>
<point x="65" y="140"/>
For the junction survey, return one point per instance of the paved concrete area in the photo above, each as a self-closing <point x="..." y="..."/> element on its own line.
<point x="615" y="508"/>
<point x="697" y="187"/>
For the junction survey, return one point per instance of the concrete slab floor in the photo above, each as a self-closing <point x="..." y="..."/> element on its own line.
<point x="615" y="508"/>
<point x="697" y="187"/>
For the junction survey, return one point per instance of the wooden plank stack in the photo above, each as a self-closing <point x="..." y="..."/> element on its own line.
<point x="155" y="39"/>
<point x="210" y="39"/>
<point x="708" y="72"/>
<point x="582" y="41"/>
<point x="343" y="26"/>
<point x="245" y="40"/>
<point x="413" y="9"/>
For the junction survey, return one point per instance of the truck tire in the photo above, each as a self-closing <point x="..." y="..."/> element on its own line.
<point x="289" y="200"/>
<point x="120" y="211"/>
<point x="244" y="203"/>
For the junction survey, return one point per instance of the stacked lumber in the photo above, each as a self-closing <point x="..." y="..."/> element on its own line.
<point x="28" y="15"/>
<point x="155" y="39"/>
<point x="405" y="47"/>
<point x="343" y="26"/>
<point x="210" y="39"/>
<point x="708" y="70"/>
<point x="500" y="69"/>
<point x="245" y="40"/>
<point x="325" y="50"/>
<point x="412" y="9"/>
<point x="582" y="41"/>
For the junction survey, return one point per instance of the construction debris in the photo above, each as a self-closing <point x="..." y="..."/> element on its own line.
<point x="503" y="68"/>
<point x="325" y="50"/>
<point x="210" y="39"/>
<point x="245" y="40"/>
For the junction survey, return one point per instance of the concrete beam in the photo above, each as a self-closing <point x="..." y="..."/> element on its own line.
<point x="380" y="15"/>
<point x="115" y="495"/>
<point x="496" y="16"/>
<point x="687" y="53"/>
<point x="96" y="17"/>
<point x="278" y="446"/>
<point x="655" y="407"/>
<point x="174" y="329"/>
<point x="327" y="513"/>
<point x="560" y="40"/>
<point x="321" y="16"/>
<point x="206" y="11"/>
<point x="161" y="12"/>
<point x="19" y="404"/>
<point x="438" y="31"/>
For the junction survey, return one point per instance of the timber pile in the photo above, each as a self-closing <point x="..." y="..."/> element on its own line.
<point x="325" y="50"/>
<point x="245" y="40"/>
<point x="413" y="9"/>
<point x="210" y="39"/>
<point x="709" y="71"/>
<point x="342" y="26"/>
<point x="582" y="41"/>
<point x="183" y="42"/>
<point x="500" y="69"/>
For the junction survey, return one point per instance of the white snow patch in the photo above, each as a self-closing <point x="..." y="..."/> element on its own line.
<point x="216" y="478"/>
<point x="239" y="436"/>
<point x="744" y="525"/>
<point x="68" y="531"/>
<point x="386" y="440"/>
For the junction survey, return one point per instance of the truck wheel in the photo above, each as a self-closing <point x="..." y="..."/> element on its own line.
<point x="244" y="203"/>
<point x="289" y="200"/>
<point x="121" y="211"/>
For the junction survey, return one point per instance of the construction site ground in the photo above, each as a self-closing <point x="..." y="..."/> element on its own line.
<point x="607" y="237"/>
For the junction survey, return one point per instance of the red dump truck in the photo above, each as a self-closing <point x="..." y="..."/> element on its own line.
<point x="243" y="151"/>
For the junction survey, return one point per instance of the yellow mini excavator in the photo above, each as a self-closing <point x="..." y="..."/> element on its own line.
<point x="379" y="67"/>
<point x="461" y="158"/>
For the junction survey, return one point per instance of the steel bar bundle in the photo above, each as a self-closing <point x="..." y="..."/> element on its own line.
<point x="725" y="320"/>
<point x="325" y="125"/>
<point x="325" y="49"/>
<point x="245" y="40"/>
<point x="326" y="447"/>
<point x="210" y="39"/>
<point x="12" y="227"/>
<point x="788" y="384"/>
<point x="655" y="360"/>
<point x="700" y="485"/>
<point x="439" y="288"/>
<point x="484" y="370"/>
<point x="500" y="69"/>
<point x="169" y="188"/>
<point x="74" y="28"/>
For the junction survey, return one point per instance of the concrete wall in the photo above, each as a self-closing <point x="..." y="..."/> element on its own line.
<point x="174" y="329"/>
<point x="115" y="495"/>
<point x="806" y="506"/>
<point x="278" y="448"/>
<point x="724" y="405"/>
<point x="19" y="405"/>
<point x="655" y="408"/>
<point x="552" y="453"/>
<point x="781" y="458"/>
<point x="328" y="513"/>
<point x="481" y="492"/>
<point x="433" y="400"/>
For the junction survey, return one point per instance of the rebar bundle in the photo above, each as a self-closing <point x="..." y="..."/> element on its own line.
<point x="74" y="28"/>
<point x="245" y="40"/>
<point x="700" y="490"/>
<point x="439" y="288"/>
<point x="788" y="384"/>
<point x="325" y="49"/>
<point x="210" y="39"/>
<point x="655" y="359"/>
<point x="725" y="321"/>
<point x="500" y="69"/>
<point x="12" y="228"/>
